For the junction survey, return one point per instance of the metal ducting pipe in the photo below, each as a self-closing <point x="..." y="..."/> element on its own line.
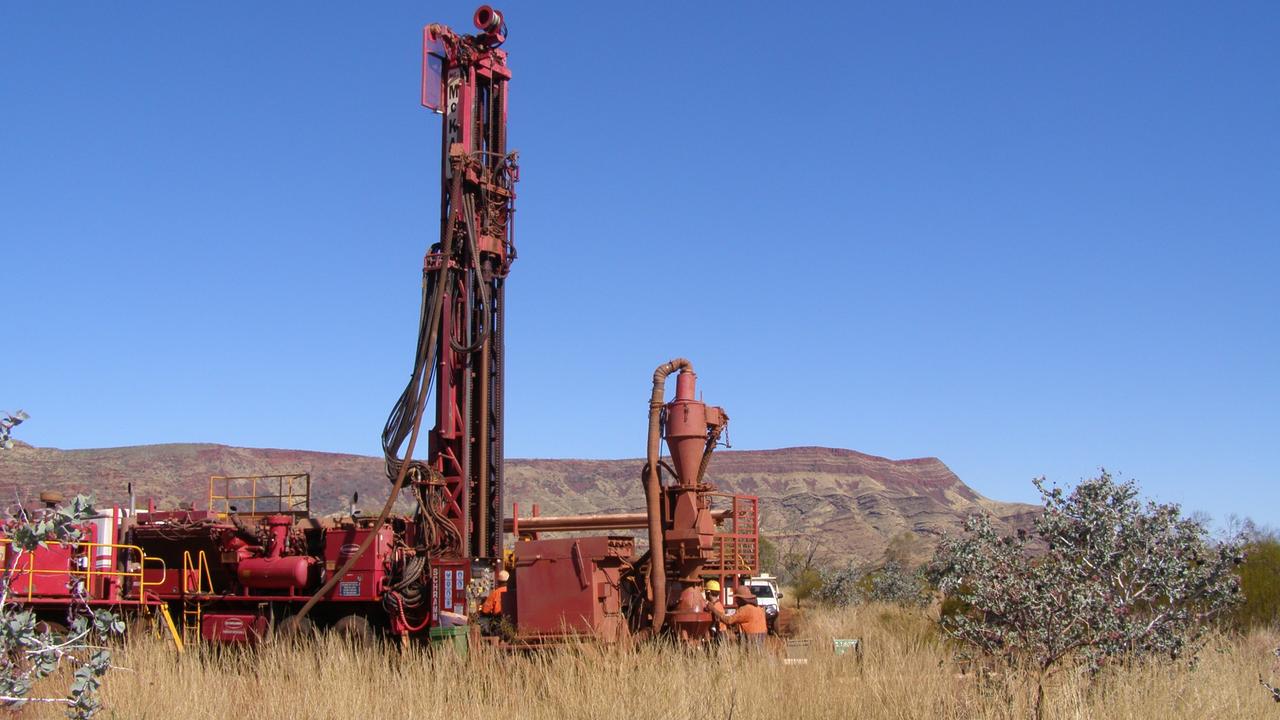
<point x="582" y="523"/>
<point x="653" y="491"/>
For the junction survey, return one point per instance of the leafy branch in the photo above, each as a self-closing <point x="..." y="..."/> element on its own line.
<point x="31" y="650"/>
<point x="7" y="423"/>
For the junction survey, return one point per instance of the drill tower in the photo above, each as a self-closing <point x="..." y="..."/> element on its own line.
<point x="460" y="342"/>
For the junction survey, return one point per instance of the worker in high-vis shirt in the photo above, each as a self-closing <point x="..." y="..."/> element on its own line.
<point x="493" y="603"/>
<point x="712" y="589"/>
<point x="749" y="620"/>
<point x="491" y="609"/>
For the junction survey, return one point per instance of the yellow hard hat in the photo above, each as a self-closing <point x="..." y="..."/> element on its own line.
<point x="713" y="586"/>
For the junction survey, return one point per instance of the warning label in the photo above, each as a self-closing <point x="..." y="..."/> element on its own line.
<point x="349" y="588"/>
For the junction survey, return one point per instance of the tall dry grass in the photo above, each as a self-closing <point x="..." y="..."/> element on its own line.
<point x="906" y="672"/>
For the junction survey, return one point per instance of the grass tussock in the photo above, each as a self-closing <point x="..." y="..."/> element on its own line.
<point x="906" y="671"/>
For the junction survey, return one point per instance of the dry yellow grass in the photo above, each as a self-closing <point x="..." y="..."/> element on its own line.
<point x="905" y="673"/>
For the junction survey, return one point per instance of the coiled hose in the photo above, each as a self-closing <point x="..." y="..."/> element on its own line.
<point x="406" y="416"/>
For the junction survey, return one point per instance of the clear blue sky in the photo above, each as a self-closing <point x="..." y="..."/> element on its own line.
<point x="1025" y="238"/>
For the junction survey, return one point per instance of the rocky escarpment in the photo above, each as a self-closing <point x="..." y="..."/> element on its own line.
<point x="850" y="503"/>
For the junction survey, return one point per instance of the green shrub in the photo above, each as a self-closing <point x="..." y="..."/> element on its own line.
<point x="1119" y="579"/>
<point x="1260" y="582"/>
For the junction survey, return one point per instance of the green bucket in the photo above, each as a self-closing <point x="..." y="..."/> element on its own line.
<point x="454" y="638"/>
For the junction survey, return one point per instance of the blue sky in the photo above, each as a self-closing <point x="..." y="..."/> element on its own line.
<point x="1027" y="239"/>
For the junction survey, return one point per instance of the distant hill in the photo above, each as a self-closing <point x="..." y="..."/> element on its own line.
<point x="855" y="503"/>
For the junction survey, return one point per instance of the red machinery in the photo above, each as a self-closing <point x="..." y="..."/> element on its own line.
<point x="100" y="570"/>
<point x="459" y="486"/>
<point x="256" y="560"/>
<point x="245" y="566"/>
<point x="597" y="586"/>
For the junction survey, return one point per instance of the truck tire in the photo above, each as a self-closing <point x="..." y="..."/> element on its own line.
<point x="292" y="628"/>
<point x="356" y="628"/>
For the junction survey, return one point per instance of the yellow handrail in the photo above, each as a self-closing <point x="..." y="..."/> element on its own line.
<point x="201" y="568"/>
<point x="82" y="553"/>
<point x="164" y="573"/>
<point x="291" y="496"/>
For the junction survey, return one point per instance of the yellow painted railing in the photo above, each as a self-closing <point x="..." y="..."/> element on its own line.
<point x="81" y="561"/>
<point x="199" y="566"/>
<point x="192" y="607"/>
<point x="253" y="495"/>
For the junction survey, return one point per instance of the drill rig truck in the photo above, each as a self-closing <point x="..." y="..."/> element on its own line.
<point x="255" y="562"/>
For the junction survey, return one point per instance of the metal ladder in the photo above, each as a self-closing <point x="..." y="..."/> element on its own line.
<point x="173" y="631"/>
<point x="192" y="605"/>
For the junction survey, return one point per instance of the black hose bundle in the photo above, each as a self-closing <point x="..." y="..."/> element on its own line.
<point x="405" y="421"/>
<point x="412" y="581"/>
<point x="439" y="535"/>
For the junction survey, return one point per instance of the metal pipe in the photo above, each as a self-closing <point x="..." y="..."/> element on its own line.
<point x="653" y="492"/>
<point x="496" y="500"/>
<point x="575" y="523"/>
<point x="482" y="452"/>
<point x="467" y="446"/>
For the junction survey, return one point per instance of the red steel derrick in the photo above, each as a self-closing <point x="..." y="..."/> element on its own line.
<point x="478" y="178"/>
<point x="460" y="358"/>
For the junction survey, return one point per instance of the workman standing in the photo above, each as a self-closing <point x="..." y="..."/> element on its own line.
<point x="714" y="605"/>
<point x="493" y="603"/>
<point x="749" y="619"/>
<point x="491" y="609"/>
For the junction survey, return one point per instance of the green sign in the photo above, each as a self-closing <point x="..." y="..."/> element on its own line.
<point x="844" y="646"/>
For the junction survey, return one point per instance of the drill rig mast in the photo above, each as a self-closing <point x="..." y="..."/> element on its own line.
<point x="459" y="357"/>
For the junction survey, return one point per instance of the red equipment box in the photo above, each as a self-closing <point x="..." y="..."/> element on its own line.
<point x="364" y="581"/>
<point x="233" y="628"/>
<point x="570" y="586"/>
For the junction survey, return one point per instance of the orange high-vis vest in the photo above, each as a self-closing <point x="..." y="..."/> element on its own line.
<point x="749" y="619"/>
<point x="493" y="604"/>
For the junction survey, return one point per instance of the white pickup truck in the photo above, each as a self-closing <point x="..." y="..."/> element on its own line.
<point x="765" y="588"/>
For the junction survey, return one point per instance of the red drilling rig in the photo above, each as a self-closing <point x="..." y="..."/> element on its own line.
<point x="256" y="562"/>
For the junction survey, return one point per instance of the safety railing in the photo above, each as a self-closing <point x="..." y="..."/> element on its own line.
<point x="69" y="561"/>
<point x="254" y="495"/>
<point x="196" y="567"/>
<point x="736" y="548"/>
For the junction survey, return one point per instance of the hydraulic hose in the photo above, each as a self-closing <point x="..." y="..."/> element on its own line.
<point x="391" y="499"/>
<point x="712" y="438"/>
<point x="653" y="491"/>
<point x="419" y="387"/>
<point x="473" y="244"/>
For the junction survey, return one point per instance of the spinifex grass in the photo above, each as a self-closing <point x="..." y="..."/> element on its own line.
<point x="907" y="671"/>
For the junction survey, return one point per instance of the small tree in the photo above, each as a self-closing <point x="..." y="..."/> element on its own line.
<point x="798" y="568"/>
<point x="769" y="555"/>
<point x="890" y="583"/>
<point x="30" y="650"/>
<point x="895" y="584"/>
<point x="1260" y="582"/>
<point x="1113" y="578"/>
<point x="907" y="549"/>
<point x="841" y="586"/>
